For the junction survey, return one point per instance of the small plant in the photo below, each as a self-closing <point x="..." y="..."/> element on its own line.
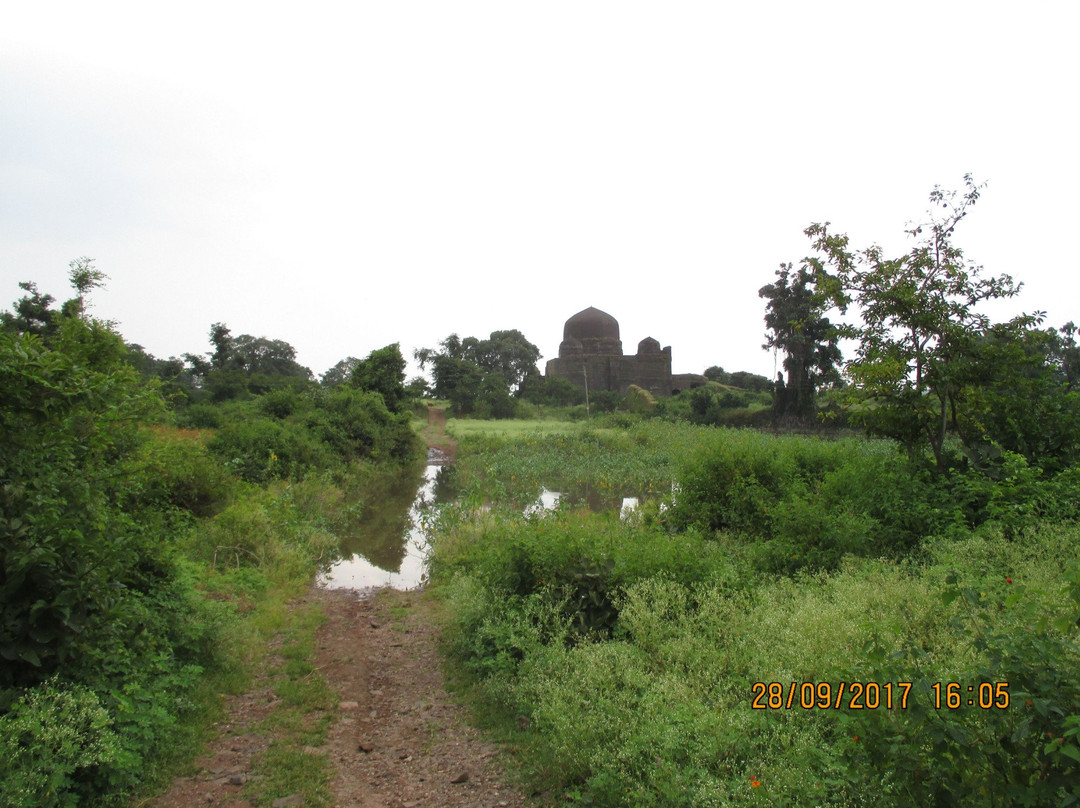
<point x="51" y="742"/>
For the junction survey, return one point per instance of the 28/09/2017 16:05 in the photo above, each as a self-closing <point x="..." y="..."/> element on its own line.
<point x="874" y="695"/>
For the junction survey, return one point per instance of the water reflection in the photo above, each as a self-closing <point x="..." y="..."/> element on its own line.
<point x="389" y="547"/>
<point x="549" y="500"/>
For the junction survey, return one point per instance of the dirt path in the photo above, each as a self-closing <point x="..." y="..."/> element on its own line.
<point x="400" y="740"/>
<point x="396" y="739"/>
<point x="435" y="434"/>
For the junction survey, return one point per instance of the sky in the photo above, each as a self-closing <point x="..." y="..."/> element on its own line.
<point x="343" y="176"/>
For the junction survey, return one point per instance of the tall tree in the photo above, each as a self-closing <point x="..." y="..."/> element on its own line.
<point x="509" y="354"/>
<point x="795" y="317"/>
<point x="919" y="320"/>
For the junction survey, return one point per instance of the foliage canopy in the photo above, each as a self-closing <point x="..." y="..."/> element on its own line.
<point x="928" y="362"/>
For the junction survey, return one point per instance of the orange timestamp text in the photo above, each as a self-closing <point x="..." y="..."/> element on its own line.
<point x="873" y="695"/>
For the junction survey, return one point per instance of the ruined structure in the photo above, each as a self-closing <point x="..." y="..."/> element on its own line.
<point x="591" y="354"/>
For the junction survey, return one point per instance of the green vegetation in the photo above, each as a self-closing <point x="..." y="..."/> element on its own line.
<point x="796" y="322"/>
<point x="694" y="653"/>
<point x="719" y="404"/>
<point x="483" y="378"/>
<point x="292" y="763"/>
<point x="144" y="568"/>
<point x="885" y="619"/>
<point x="621" y="656"/>
<point x="931" y="367"/>
<point x="463" y="427"/>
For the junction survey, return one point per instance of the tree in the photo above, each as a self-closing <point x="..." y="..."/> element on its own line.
<point x="339" y="373"/>
<point x="1064" y="353"/>
<point x="795" y="317"/>
<point x="919" y="323"/>
<point x="75" y="562"/>
<point x="221" y="339"/>
<point x="465" y="370"/>
<point x="457" y="380"/>
<point x="261" y="356"/>
<point x="246" y="364"/>
<point x="509" y="354"/>
<point x="383" y="372"/>
<point x="750" y="381"/>
<point x="1017" y="397"/>
<point x="177" y="381"/>
<point x="84" y="278"/>
<point x="715" y="373"/>
<point x="551" y="390"/>
<point x="32" y="314"/>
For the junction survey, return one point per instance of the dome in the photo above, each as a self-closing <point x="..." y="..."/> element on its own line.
<point x="648" y="346"/>
<point x="591" y="333"/>
<point x="591" y="324"/>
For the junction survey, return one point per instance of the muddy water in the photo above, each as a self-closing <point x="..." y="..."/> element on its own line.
<point x="550" y="499"/>
<point x="389" y="547"/>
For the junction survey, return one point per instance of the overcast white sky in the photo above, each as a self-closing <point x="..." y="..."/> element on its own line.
<point x="343" y="176"/>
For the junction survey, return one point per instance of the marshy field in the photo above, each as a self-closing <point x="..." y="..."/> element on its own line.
<point x="782" y="620"/>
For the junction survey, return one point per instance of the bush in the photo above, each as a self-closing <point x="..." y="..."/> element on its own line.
<point x="51" y="741"/>
<point x="199" y="416"/>
<point x="280" y="403"/>
<point x="806" y="502"/>
<point x="638" y="400"/>
<point x="102" y="635"/>
<point x="181" y="474"/>
<point x="633" y="648"/>
<point x="264" y="531"/>
<point x="261" y="449"/>
<point x="582" y="561"/>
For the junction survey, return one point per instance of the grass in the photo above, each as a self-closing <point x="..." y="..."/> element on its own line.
<point x="463" y="428"/>
<point x="619" y="658"/>
<point x="165" y="432"/>
<point x="298" y="725"/>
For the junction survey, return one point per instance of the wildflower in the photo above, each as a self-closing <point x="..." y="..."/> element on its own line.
<point x="854" y="737"/>
<point x="1008" y="580"/>
<point x="754" y="782"/>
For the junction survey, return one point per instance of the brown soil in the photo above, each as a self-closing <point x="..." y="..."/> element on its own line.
<point x="398" y="739"/>
<point x="436" y="437"/>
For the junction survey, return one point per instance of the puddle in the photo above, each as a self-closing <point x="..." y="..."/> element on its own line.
<point x="389" y="546"/>
<point x="550" y="500"/>
<point x="393" y="544"/>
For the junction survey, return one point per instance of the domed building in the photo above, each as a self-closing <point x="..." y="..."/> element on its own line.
<point x="591" y="355"/>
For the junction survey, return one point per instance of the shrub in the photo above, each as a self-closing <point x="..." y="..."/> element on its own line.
<point x="182" y="474"/>
<point x="280" y="403"/>
<point x="805" y="502"/>
<point x="261" y="449"/>
<point x="51" y="741"/>
<point x="199" y="416"/>
<point x="639" y="400"/>
<point x="265" y="531"/>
